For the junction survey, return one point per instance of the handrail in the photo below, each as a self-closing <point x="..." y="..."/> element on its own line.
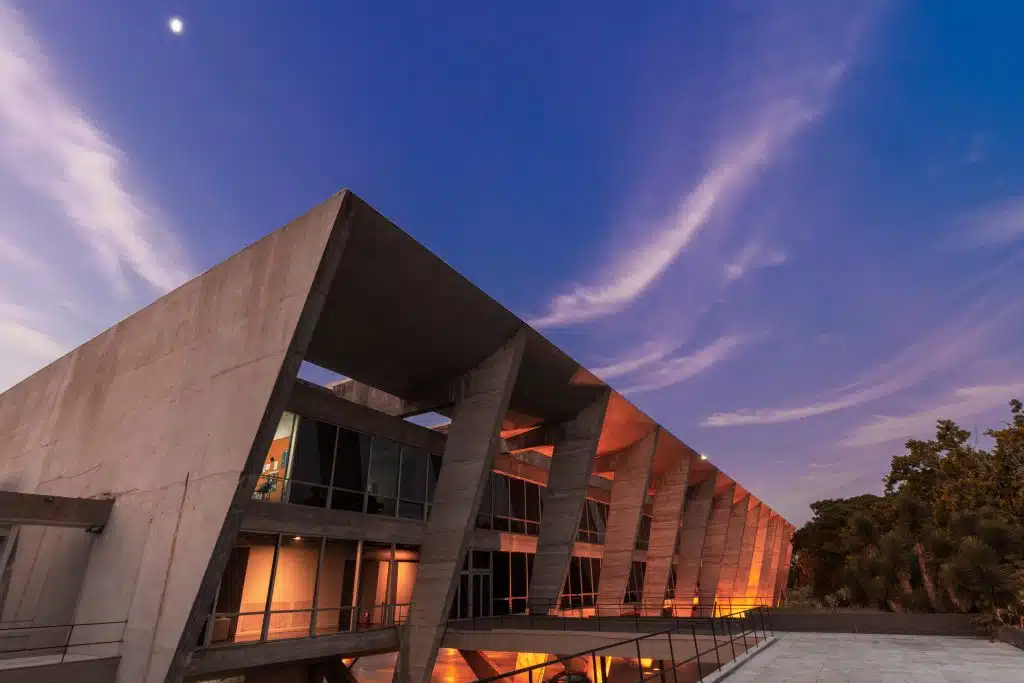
<point x="727" y="619"/>
<point x="61" y="647"/>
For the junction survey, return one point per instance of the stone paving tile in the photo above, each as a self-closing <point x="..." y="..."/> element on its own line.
<point x="864" y="658"/>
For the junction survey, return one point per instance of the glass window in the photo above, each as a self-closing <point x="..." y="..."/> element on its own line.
<point x="383" y="477"/>
<point x="294" y="583"/>
<point x="499" y="502"/>
<point x="242" y="599"/>
<point x="311" y="467"/>
<point x="352" y="464"/>
<point x="412" y="489"/>
<point x="335" y="595"/>
<point x="533" y="502"/>
<point x="643" y="534"/>
<point x="270" y="485"/>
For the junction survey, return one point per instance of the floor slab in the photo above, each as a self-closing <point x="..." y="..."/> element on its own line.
<point x="865" y="658"/>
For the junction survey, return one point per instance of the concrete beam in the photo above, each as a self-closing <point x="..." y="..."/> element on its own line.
<point x="224" y="661"/>
<point x="776" y="561"/>
<point x="731" y="554"/>
<point x="33" y="509"/>
<point x="766" y="577"/>
<point x="478" y="663"/>
<point x="714" y="547"/>
<point x="666" y="515"/>
<point x="320" y="403"/>
<point x="563" y="500"/>
<point x="468" y="457"/>
<point x="389" y="404"/>
<point x="629" y="491"/>
<point x="300" y="520"/>
<point x="333" y="671"/>
<point x="696" y="515"/>
<point x="738" y="590"/>
<point x="757" y="558"/>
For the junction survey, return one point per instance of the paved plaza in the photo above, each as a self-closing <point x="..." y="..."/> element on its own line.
<point x="866" y="658"/>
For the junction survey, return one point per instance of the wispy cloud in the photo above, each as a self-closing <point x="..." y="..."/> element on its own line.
<point x="732" y="170"/>
<point x="65" y="196"/>
<point x="964" y="402"/>
<point x="753" y="255"/>
<point x="1001" y="223"/>
<point x="675" y="370"/>
<point x="960" y="339"/>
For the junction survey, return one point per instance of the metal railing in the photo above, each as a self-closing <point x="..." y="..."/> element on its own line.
<point x="228" y="628"/>
<point x="731" y="634"/>
<point x="60" y="640"/>
<point x="592" y="614"/>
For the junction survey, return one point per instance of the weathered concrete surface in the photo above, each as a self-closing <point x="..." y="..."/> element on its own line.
<point x="666" y="515"/>
<point x="45" y="510"/>
<point x="714" y="547"/>
<point x="731" y="553"/>
<point x="478" y="662"/>
<point x="763" y="557"/>
<point x="849" y="658"/>
<point x="469" y="453"/>
<point x="98" y="670"/>
<point x="629" y="490"/>
<point x="163" y="411"/>
<point x="767" y="587"/>
<point x="747" y="548"/>
<point x="563" y="500"/>
<point x="696" y="517"/>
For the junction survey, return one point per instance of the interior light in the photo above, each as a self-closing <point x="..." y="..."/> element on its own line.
<point x="297" y="538"/>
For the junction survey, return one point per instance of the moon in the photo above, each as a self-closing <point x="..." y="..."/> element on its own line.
<point x="176" y="25"/>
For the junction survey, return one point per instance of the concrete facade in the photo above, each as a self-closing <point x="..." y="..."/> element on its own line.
<point x="155" y="434"/>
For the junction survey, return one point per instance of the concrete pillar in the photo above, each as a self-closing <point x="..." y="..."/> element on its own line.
<point x="731" y="554"/>
<point x="766" y="577"/>
<point x="768" y="586"/>
<point x="785" y="557"/>
<point x="742" y="580"/>
<point x="331" y="671"/>
<point x="480" y="408"/>
<point x="714" y="546"/>
<point x="629" y="490"/>
<point x="760" y="541"/>
<point x="479" y="664"/>
<point x="669" y="496"/>
<point x="568" y="478"/>
<point x="696" y="514"/>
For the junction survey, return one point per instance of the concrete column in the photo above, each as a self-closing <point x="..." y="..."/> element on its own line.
<point x="742" y="580"/>
<point x="568" y="478"/>
<point x="731" y="555"/>
<point x="785" y="557"/>
<point x="669" y="496"/>
<point x="714" y="547"/>
<point x="696" y="514"/>
<point x="768" y="586"/>
<point x="629" y="490"/>
<point x="480" y="407"/>
<point x="766" y="577"/>
<point x="479" y="663"/>
<point x="754" y="579"/>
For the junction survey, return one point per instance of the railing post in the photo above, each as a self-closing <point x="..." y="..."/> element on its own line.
<point x="743" y="632"/>
<point x="672" y="658"/>
<point x="639" y="660"/>
<point x="593" y="666"/>
<point x="732" y="641"/>
<point x="696" y="652"/>
<point x="714" y="637"/>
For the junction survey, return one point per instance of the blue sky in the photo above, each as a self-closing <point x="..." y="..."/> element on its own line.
<point x="791" y="232"/>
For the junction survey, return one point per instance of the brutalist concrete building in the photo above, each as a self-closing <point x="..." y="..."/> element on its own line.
<point x="179" y="506"/>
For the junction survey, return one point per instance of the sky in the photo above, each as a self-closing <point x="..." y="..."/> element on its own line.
<point x="792" y="233"/>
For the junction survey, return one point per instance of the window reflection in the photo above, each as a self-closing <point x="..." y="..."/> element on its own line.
<point x="593" y="521"/>
<point x="510" y="504"/>
<point x="320" y="465"/>
<point x="315" y="586"/>
<point x="581" y="582"/>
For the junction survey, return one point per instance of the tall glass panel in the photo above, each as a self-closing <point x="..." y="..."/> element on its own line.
<point x="242" y="599"/>
<point x="294" y="584"/>
<point x="314" y="458"/>
<point x="517" y="505"/>
<point x="382" y="485"/>
<point x="336" y="593"/>
<point x="350" y="471"/>
<point x="500" y="502"/>
<point x="270" y="485"/>
<point x="412" y="489"/>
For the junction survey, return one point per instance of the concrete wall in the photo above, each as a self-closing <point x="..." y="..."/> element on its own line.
<point x="162" y="412"/>
<point x="866" y="621"/>
<point x="1011" y="636"/>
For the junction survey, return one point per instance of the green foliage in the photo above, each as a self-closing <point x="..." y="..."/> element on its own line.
<point x="948" y="535"/>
